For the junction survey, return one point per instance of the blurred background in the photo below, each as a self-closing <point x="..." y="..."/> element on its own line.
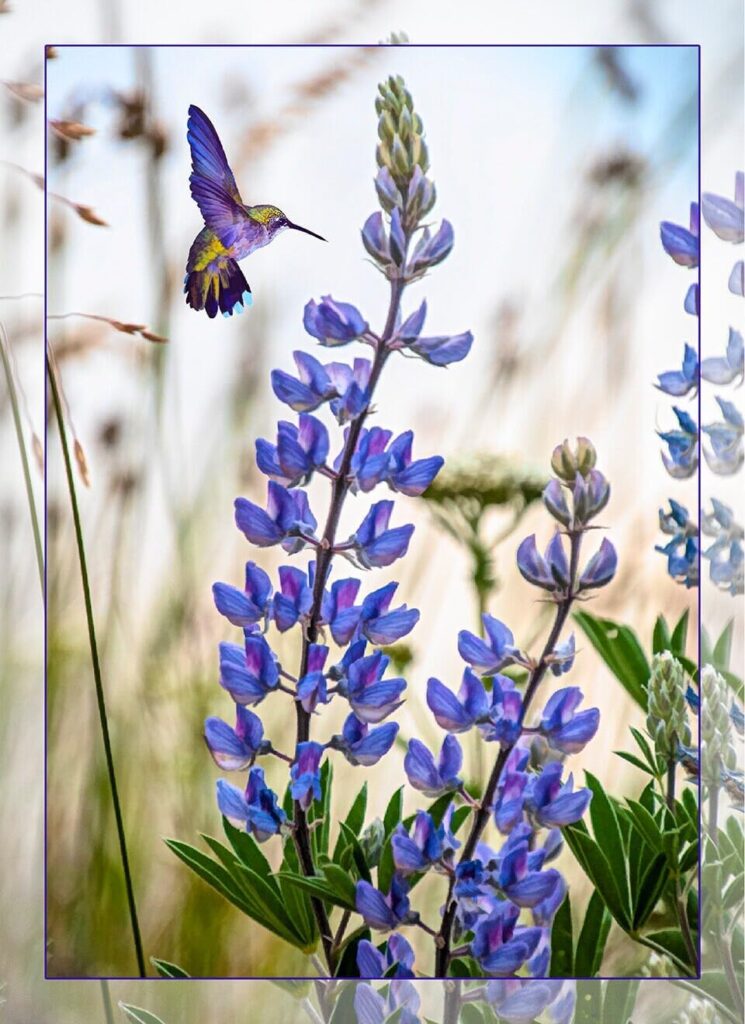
<point x="555" y="167"/>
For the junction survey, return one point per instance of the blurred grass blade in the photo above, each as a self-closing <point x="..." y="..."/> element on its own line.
<point x="138" y="1016"/>
<point x="13" y="396"/>
<point x="108" y="1010"/>
<point x="100" y="698"/>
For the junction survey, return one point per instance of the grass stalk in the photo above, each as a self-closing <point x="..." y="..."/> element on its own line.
<point x="100" y="697"/>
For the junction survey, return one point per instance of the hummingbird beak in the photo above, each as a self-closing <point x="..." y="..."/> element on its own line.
<point x="296" y="227"/>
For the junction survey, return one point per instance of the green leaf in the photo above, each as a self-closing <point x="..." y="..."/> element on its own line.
<point x="643" y="744"/>
<point x="341" y="883"/>
<point x="385" y="866"/>
<point x="357" y="851"/>
<point x="588" y="1002"/>
<point x="344" y="1010"/>
<point x="723" y="646"/>
<point x="620" y="649"/>
<point x="680" y="634"/>
<point x="562" y="948"/>
<point x="671" y="940"/>
<point x="607" y="831"/>
<point x="317" y="887"/>
<point x="346" y="966"/>
<point x="247" y="850"/>
<point x="645" y="824"/>
<point x="592" y="938"/>
<point x="138" y="1016"/>
<point x="598" y="870"/>
<point x="652" y="884"/>
<point x="168" y="970"/>
<point x="299" y="909"/>
<point x="354" y="820"/>
<point x="619" y="1001"/>
<point x="637" y="762"/>
<point x="661" y="636"/>
<point x="393" y="811"/>
<point x="320" y="810"/>
<point x="211" y="872"/>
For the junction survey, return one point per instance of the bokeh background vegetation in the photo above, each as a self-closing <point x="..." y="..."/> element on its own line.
<point x="555" y="183"/>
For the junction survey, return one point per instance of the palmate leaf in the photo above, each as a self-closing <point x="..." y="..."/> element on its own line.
<point x="139" y="1016"/>
<point x="620" y="649"/>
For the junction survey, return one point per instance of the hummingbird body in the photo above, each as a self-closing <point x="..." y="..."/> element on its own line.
<point x="232" y="230"/>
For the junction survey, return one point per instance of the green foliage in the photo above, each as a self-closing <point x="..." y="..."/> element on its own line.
<point x="139" y="1016"/>
<point x="620" y="649"/>
<point x="168" y="970"/>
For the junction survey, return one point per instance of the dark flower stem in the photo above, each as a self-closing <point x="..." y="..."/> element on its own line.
<point x="481" y="816"/>
<point x="100" y="697"/>
<point x="339" y="490"/>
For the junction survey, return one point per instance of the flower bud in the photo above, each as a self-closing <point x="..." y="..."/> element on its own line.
<point x="717" y="750"/>
<point x="371" y="842"/>
<point x="555" y="501"/>
<point x="666" y="706"/>
<point x="567" y="463"/>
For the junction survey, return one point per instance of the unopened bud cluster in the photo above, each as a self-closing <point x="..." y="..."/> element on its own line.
<point x="717" y="750"/>
<point x="667" y="717"/>
<point x="577" y="477"/>
<point x="698" y="1011"/>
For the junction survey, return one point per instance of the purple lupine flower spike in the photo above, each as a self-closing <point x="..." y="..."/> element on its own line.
<point x="340" y="612"/>
<point x="683" y="381"/>
<point x="553" y="803"/>
<point x="493" y="653"/>
<point x="564" y="730"/>
<point x="682" y="244"/>
<point x="601" y="568"/>
<point x="287" y="520"/>
<point x="311" y="388"/>
<point x="725" y="217"/>
<point x="311" y="688"/>
<point x="371" y="697"/>
<point x="299" y="451"/>
<point x="384" y="913"/>
<point x="398" y="955"/>
<point x="379" y="623"/>
<point x="245" y="607"/>
<point x="458" y="713"/>
<point x="257" y="807"/>
<point x="407" y="476"/>
<point x="499" y="945"/>
<point x="293" y="600"/>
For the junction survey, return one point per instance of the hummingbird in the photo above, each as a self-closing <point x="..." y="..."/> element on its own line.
<point x="231" y="229"/>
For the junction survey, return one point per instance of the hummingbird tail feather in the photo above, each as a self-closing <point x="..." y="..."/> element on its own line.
<point x="219" y="286"/>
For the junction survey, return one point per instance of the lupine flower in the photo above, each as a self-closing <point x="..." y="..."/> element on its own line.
<point x="250" y="672"/>
<point x="554" y="498"/>
<point x="727" y="572"/>
<point x="725" y="554"/>
<point x="374" y="544"/>
<point x="691" y="303"/>
<point x="371" y="697"/>
<point x="458" y="713"/>
<point x="401" y="1003"/>
<point x="299" y="451"/>
<point x="681" y="461"/>
<point x="682" y="550"/>
<point x="718" y="751"/>
<point x="362" y="745"/>
<point x="590" y="493"/>
<point x="549" y="571"/>
<point x="420" y="850"/>
<point x="727" y="453"/>
<point x="518" y="882"/>
<point x="339" y="611"/>
<point x="311" y="388"/>
<point x="351" y="386"/>
<point x="257" y="807"/>
<point x="510" y="797"/>
<point x="398" y="955"/>
<point x="286" y="521"/>
<point x="311" y="689"/>
<point x="601" y="568"/>
<point x="725" y="369"/>
<point x="490" y="655"/>
<point x="554" y="803"/>
<point x="384" y="913"/>
<point x="680" y="243"/>
<point x="520" y="1001"/>
<point x="499" y="945"/>
<point x="545" y="911"/>
<point x="736" y="282"/>
<point x="561" y="659"/>
<point x="723" y="216"/>
<point x="430" y="778"/>
<point x="430" y="250"/>
<point x="407" y="476"/>
<point x="293" y="600"/>
<point x="375" y="239"/>
<point x="245" y="607"/>
<point x="503" y="721"/>
<point x="235" y="748"/>
<point x="563" y="729"/>
<point x="379" y="624"/>
<point x="369" y="464"/>
<point x="680" y="382"/>
<point x="305" y="776"/>
<point x="444" y="349"/>
<point x="334" y="323"/>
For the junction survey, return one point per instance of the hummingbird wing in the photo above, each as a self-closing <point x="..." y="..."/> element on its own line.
<point x="212" y="184"/>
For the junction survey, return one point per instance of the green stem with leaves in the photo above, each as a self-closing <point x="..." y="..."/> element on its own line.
<point x="97" y="678"/>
